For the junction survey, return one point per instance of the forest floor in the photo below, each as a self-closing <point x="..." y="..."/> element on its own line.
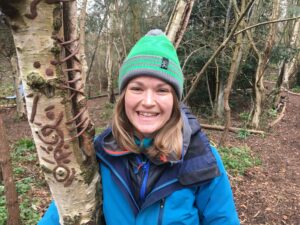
<point x="265" y="194"/>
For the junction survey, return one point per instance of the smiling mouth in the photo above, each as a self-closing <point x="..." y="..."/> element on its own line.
<point x="147" y="114"/>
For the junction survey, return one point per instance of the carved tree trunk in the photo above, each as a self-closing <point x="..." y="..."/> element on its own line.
<point x="56" y="107"/>
<point x="179" y="20"/>
<point x="9" y="185"/>
<point x="262" y="63"/>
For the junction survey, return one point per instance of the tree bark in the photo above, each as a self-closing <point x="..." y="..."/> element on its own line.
<point x="82" y="56"/>
<point x="56" y="107"/>
<point x="179" y="20"/>
<point x="9" y="185"/>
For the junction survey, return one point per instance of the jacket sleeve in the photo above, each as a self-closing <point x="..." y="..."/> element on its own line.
<point x="51" y="216"/>
<point x="215" y="200"/>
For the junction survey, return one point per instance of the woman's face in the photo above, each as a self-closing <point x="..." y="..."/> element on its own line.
<point x="148" y="104"/>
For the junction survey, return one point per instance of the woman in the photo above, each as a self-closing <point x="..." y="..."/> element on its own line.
<point x="157" y="166"/>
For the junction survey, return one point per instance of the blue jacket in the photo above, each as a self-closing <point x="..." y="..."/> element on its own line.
<point x="193" y="191"/>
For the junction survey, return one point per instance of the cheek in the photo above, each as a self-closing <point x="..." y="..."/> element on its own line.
<point x="168" y="105"/>
<point x="128" y="104"/>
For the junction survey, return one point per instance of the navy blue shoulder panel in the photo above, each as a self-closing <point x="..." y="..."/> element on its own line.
<point x="193" y="120"/>
<point x="98" y="140"/>
<point x="199" y="164"/>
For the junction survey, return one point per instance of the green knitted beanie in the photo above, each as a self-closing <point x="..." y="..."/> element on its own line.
<point x="153" y="55"/>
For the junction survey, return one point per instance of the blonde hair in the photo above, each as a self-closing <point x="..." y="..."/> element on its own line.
<point x="167" y="140"/>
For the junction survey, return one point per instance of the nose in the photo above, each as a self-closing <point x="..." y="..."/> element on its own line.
<point x="149" y="99"/>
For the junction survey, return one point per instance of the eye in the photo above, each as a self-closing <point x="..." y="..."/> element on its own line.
<point x="163" y="90"/>
<point x="135" y="88"/>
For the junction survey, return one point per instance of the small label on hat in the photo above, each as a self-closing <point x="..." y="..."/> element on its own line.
<point x="164" y="63"/>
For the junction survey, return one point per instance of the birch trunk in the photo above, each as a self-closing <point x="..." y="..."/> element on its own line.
<point x="179" y="20"/>
<point x="56" y="107"/>
<point x="8" y="180"/>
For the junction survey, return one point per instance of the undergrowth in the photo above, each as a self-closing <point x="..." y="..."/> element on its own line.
<point x="106" y="114"/>
<point x="6" y="89"/>
<point x="22" y="154"/>
<point x="296" y="89"/>
<point x="238" y="159"/>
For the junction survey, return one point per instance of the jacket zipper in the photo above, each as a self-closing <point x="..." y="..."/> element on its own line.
<point x="145" y="167"/>
<point x="161" y="211"/>
<point x="145" y="180"/>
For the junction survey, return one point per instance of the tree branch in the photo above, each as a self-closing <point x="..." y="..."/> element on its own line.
<point x="232" y="129"/>
<point x="267" y="22"/>
<point x="281" y="115"/>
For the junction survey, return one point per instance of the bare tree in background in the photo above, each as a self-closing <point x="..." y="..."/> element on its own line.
<point x="263" y="59"/>
<point x="7" y="50"/>
<point x="234" y="67"/>
<point x="179" y="20"/>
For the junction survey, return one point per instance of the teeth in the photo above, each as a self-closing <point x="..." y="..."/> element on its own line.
<point x="147" y="114"/>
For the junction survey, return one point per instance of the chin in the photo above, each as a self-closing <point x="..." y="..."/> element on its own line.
<point x="148" y="132"/>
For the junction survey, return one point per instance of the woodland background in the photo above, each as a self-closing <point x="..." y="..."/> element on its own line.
<point x="240" y="59"/>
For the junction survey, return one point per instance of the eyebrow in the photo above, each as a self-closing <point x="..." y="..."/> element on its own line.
<point x="142" y="84"/>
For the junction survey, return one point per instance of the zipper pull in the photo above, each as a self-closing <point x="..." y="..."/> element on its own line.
<point x="161" y="211"/>
<point x="162" y="203"/>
